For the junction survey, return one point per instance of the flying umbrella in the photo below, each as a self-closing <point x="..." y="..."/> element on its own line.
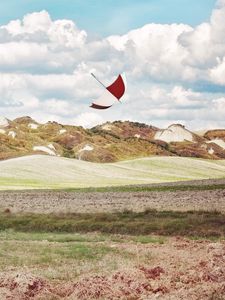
<point x="111" y="94"/>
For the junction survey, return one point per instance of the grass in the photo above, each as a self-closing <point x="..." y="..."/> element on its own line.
<point x="66" y="246"/>
<point x="94" y="237"/>
<point x="134" y="188"/>
<point x="149" y="188"/>
<point x="10" y="234"/>
<point x="45" y="172"/>
<point x="52" y="259"/>
<point x="49" y="254"/>
<point x="143" y="239"/>
<point x="168" y="223"/>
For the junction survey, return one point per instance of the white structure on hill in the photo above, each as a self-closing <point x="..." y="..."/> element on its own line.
<point x="174" y="133"/>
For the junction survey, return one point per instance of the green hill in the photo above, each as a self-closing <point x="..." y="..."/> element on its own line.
<point x="42" y="171"/>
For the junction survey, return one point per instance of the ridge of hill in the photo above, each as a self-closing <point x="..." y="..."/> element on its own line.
<point x="109" y="142"/>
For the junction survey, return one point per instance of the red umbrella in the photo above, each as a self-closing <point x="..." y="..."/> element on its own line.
<point x="111" y="94"/>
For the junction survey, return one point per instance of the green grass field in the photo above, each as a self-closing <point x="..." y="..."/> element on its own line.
<point x="46" y="172"/>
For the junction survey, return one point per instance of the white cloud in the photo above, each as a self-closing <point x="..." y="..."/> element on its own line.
<point x="64" y="33"/>
<point x="31" y="23"/>
<point x="154" y="50"/>
<point x="206" y="45"/>
<point x="186" y="98"/>
<point x="88" y="119"/>
<point x="220" y="3"/>
<point x="217" y="74"/>
<point x="46" y="64"/>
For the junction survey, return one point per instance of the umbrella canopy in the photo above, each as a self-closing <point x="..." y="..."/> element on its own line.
<point x="111" y="94"/>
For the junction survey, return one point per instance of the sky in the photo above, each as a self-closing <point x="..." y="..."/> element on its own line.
<point x="118" y="16"/>
<point x="172" y="51"/>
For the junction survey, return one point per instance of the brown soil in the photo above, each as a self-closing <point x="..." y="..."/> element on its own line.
<point x="60" y="201"/>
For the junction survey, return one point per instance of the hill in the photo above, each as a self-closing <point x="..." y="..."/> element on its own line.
<point x="109" y="142"/>
<point x="42" y="171"/>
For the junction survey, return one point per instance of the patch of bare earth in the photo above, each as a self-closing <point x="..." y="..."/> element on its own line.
<point x="178" y="269"/>
<point x="92" y="202"/>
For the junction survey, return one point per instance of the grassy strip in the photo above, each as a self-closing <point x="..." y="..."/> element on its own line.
<point x="129" y="188"/>
<point x="192" y="223"/>
<point x="147" y="188"/>
<point x="87" y="238"/>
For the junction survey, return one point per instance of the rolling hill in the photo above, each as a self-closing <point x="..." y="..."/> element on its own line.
<point x="42" y="171"/>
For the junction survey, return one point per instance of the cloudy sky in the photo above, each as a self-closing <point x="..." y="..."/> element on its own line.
<point x="172" y="51"/>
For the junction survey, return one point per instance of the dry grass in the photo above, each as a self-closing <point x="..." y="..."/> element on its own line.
<point x="86" y="267"/>
<point x="49" y="254"/>
<point x="191" y="223"/>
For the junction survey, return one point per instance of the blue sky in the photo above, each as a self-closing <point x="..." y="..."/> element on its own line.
<point x="104" y="17"/>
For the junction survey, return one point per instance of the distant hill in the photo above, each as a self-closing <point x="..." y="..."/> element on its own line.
<point x="109" y="142"/>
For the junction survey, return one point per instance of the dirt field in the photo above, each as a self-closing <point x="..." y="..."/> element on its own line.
<point x="60" y="201"/>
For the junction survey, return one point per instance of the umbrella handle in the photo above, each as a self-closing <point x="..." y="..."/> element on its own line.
<point x="98" y="80"/>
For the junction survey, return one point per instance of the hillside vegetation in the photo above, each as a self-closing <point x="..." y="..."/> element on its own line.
<point x="109" y="142"/>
